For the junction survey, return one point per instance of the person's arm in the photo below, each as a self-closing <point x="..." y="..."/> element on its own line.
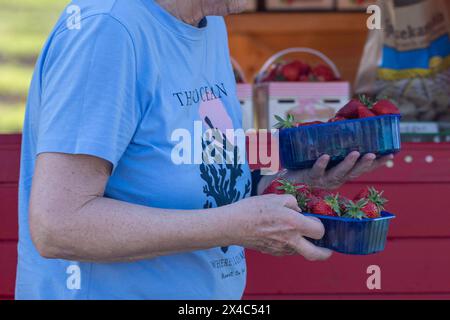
<point x="319" y="177"/>
<point x="71" y="219"/>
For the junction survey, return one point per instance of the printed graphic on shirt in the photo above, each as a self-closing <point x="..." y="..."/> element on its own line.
<point x="221" y="167"/>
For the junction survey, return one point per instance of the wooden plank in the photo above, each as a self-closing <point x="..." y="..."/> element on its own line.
<point x="9" y="158"/>
<point x="14" y="139"/>
<point x="416" y="163"/>
<point x="8" y="262"/>
<point x="8" y="212"/>
<point x="407" y="266"/>
<point x="296" y="22"/>
<point x="338" y="35"/>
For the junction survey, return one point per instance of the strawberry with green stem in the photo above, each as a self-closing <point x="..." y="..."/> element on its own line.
<point x="290" y="122"/>
<point x="355" y="209"/>
<point x="328" y="206"/>
<point x="287" y="123"/>
<point x="371" y="210"/>
<point x="384" y="107"/>
<point x="373" y="195"/>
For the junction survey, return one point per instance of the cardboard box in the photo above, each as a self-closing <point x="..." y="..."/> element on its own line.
<point x="245" y="96"/>
<point x="307" y="101"/>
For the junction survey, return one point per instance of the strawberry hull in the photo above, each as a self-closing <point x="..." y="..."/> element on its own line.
<point x="301" y="147"/>
<point x="353" y="236"/>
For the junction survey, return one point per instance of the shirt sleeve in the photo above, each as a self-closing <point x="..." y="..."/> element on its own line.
<point x="89" y="87"/>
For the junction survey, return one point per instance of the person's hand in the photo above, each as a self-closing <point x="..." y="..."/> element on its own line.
<point x="351" y="168"/>
<point x="273" y="224"/>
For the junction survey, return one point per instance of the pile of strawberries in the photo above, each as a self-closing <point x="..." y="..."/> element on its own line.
<point x="362" y="107"/>
<point x="297" y="71"/>
<point x="367" y="204"/>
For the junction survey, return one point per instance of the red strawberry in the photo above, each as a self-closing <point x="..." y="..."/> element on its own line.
<point x="336" y="119"/>
<point x="321" y="207"/>
<point x="364" y="112"/>
<point x="291" y="71"/>
<point x="273" y="73"/>
<point x="323" y="73"/>
<point x="328" y="206"/>
<point x="362" y="194"/>
<point x="385" y="106"/>
<point x="295" y="70"/>
<point x="305" y="69"/>
<point x="311" y="123"/>
<point x="355" y="108"/>
<point x="274" y="187"/>
<point x="350" y="110"/>
<point x="305" y="78"/>
<point x="371" y="210"/>
<point x="372" y="195"/>
<point x="303" y="188"/>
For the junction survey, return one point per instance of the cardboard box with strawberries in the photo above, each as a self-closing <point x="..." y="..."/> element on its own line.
<point x="309" y="91"/>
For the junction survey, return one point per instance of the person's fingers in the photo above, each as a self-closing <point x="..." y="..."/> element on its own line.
<point x="382" y="161"/>
<point x="310" y="227"/>
<point x="288" y="201"/>
<point x="317" y="172"/>
<point x="362" y="166"/>
<point x="337" y="174"/>
<point x="311" y="252"/>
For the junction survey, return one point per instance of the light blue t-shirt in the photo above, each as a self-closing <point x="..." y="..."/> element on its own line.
<point x="128" y="82"/>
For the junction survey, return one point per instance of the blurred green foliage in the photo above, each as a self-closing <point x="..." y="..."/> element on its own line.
<point x="24" y="27"/>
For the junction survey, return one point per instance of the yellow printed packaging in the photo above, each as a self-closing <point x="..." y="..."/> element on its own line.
<point x="408" y="60"/>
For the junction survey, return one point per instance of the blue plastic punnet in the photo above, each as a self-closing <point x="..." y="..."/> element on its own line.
<point x="354" y="236"/>
<point x="300" y="147"/>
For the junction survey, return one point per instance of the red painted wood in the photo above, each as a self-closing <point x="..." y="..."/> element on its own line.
<point x="418" y="170"/>
<point x="14" y="139"/>
<point x="8" y="261"/>
<point x="8" y="212"/>
<point x="407" y="266"/>
<point x="422" y="210"/>
<point x="9" y="158"/>
<point x="411" y="268"/>
<point x="373" y="296"/>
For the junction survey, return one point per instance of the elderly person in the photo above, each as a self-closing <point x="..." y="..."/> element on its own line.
<point x="105" y="211"/>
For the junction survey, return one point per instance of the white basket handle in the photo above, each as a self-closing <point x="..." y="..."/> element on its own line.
<point x="316" y="53"/>
<point x="239" y="69"/>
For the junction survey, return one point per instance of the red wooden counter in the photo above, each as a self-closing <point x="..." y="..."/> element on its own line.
<point x="415" y="264"/>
